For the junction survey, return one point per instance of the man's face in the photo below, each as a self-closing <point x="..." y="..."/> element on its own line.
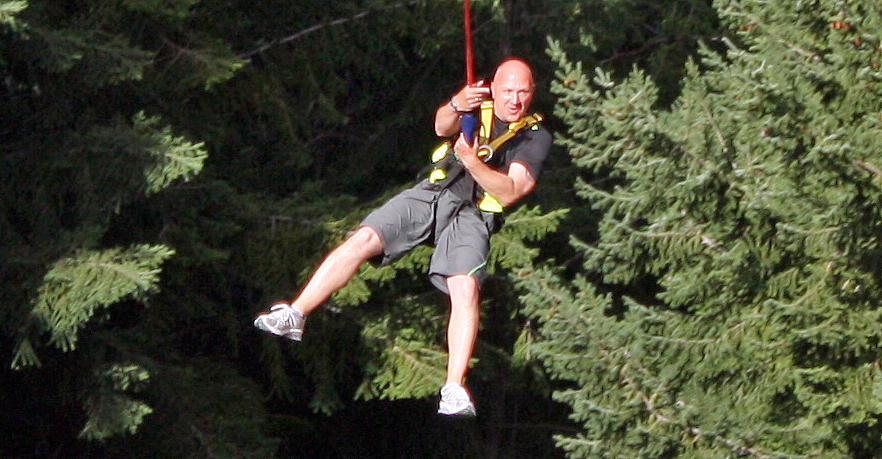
<point x="512" y="90"/>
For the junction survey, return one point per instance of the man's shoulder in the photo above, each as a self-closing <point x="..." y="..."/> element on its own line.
<point x="533" y="149"/>
<point x="539" y="134"/>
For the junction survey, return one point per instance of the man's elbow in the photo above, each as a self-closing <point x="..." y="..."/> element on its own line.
<point x="506" y="203"/>
<point x="522" y="183"/>
<point x="509" y="199"/>
<point x="442" y="130"/>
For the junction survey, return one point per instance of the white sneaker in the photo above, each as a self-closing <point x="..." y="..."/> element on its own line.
<point x="282" y="320"/>
<point x="455" y="401"/>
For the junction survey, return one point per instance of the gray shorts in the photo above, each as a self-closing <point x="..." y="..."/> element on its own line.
<point x="418" y="215"/>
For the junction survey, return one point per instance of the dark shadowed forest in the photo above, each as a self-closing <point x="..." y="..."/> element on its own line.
<point x="697" y="274"/>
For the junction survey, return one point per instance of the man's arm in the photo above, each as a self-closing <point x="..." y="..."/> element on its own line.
<point x="465" y="100"/>
<point x="507" y="188"/>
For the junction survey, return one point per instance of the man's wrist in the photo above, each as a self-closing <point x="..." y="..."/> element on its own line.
<point x="454" y="106"/>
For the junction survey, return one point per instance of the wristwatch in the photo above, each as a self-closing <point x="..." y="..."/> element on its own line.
<point x="454" y="106"/>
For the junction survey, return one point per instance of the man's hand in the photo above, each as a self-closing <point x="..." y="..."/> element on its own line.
<point x="470" y="97"/>
<point x="465" y="100"/>
<point x="466" y="152"/>
<point x="507" y="188"/>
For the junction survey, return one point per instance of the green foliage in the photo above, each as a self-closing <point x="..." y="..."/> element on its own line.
<point x="508" y="247"/>
<point x="171" y="8"/>
<point x="8" y="10"/>
<point x="247" y="138"/>
<point x="76" y="152"/>
<point x="204" y="61"/>
<point x="174" y="157"/>
<point x="94" y="58"/>
<point x="411" y="367"/>
<point x="142" y="155"/>
<point x="75" y="286"/>
<point x="110" y="410"/>
<point x="202" y="409"/>
<point x="108" y="166"/>
<point x="728" y="306"/>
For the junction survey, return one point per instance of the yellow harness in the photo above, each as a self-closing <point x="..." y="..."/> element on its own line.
<point x="439" y="173"/>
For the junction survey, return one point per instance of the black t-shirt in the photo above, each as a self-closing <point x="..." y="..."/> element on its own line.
<point x="530" y="147"/>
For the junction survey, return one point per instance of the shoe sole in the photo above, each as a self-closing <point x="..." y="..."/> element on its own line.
<point x="294" y="335"/>
<point x="468" y="411"/>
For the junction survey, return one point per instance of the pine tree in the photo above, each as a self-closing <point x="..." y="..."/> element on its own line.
<point x="133" y="281"/>
<point x="75" y="152"/>
<point x="729" y="305"/>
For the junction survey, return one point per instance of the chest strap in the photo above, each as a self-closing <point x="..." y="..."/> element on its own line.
<point x="486" y="151"/>
<point x="446" y="167"/>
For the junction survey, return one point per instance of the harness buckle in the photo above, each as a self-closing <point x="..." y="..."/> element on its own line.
<point x="486" y="152"/>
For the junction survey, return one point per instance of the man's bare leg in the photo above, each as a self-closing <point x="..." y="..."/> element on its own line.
<point x="338" y="267"/>
<point x="462" y="330"/>
<point x="332" y="273"/>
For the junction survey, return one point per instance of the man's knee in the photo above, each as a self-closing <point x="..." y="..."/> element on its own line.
<point x="465" y="281"/>
<point x="463" y="287"/>
<point x="365" y="241"/>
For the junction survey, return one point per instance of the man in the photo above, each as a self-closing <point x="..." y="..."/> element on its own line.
<point x="446" y="215"/>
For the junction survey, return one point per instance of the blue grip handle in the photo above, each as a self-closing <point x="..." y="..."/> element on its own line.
<point x="469" y="124"/>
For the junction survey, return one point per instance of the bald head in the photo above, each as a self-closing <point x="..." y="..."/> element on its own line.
<point x="512" y="89"/>
<point x="513" y="67"/>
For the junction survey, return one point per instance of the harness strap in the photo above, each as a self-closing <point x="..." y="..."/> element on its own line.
<point x="513" y="129"/>
<point x="486" y="117"/>
<point x="446" y="167"/>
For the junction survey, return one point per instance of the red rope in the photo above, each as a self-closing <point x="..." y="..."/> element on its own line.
<point x="469" y="51"/>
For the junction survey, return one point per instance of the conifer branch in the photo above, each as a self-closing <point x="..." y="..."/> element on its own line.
<point x="869" y="167"/>
<point x="716" y="127"/>
<point x="649" y="46"/>
<point x="324" y="25"/>
<point x="9" y="9"/>
<point x="789" y="44"/>
<point x="735" y="445"/>
<point x="197" y="433"/>
<point x="540" y="426"/>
